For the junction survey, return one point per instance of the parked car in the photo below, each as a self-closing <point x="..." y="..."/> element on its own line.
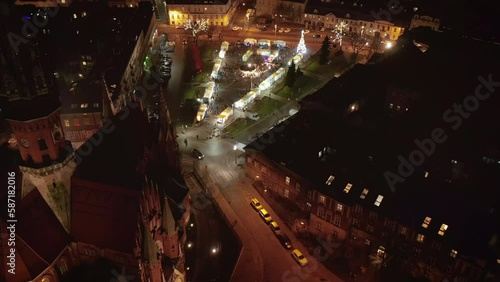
<point x="284" y="240"/>
<point x="281" y="30"/>
<point x="265" y="216"/>
<point x="299" y="257"/>
<point x="256" y="204"/>
<point x="197" y="154"/>
<point x="322" y="29"/>
<point x="275" y="228"/>
<point x="184" y="42"/>
<point x="287" y="30"/>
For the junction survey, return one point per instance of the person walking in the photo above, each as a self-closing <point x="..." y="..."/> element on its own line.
<point x="196" y="137"/>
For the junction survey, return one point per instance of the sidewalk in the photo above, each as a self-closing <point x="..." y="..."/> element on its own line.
<point x="249" y="267"/>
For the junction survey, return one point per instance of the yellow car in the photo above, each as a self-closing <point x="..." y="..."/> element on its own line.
<point x="299" y="257"/>
<point x="256" y="204"/>
<point x="265" y="216"/>
<point x="275" y="228"/>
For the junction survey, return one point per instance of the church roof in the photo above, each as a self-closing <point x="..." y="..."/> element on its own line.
<point x="40" y="236"/>
<point x="116" y="157"/>
<point x="149" y="248"/>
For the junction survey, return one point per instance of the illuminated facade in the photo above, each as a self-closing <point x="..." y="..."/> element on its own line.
<point x="218" y="13"/>
<point x="417" y="21"/>
<point x="384" y="29"/>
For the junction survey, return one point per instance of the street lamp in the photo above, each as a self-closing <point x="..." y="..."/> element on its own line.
<point x="235" y="147"/>
<point x="275" y="28"/>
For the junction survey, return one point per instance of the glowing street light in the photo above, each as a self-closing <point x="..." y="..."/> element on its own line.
<point x="388" y="45"/>
<point x="235" y="147"/>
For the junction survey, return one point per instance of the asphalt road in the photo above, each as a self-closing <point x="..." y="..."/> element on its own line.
<point x="221" y="167"/>
<point x="220" y="161"/>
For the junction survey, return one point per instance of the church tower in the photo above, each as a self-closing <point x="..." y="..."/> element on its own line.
<point x="167" y="138"/>
<point x="29" y="95"/>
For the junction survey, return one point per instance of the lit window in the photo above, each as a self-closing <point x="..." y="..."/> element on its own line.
<point x="84" y="63"/>
<point x="322" y="199"/>
<point x="339" y="207"/>
<point x="287" y="180"/>
<point x="427" y="221"/>
<point x="66" y="123"/>
<point x="498" y="261"/>
<point x="398" y="107"/>
<point x="364" y="193"/>
<point x="330" y="179"/>
<point x="453" y="253"/>
<point x="83" y="106"/>
<point x="379" y="200"/>
<point x="426" y="174"/>
<point x="443" y="229"/>
<point x="84" y="14"/>
<point x="74" y="16"/>
<point x="420" y="238"/>
<point x="348" y="187"/>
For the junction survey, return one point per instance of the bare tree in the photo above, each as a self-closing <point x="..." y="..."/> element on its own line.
<point x="196" y="27"/>
<point x="359" y="43"/>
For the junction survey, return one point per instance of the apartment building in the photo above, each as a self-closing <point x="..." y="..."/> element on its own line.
<point x="343" y="175"/>
<point x="218" y="13"/>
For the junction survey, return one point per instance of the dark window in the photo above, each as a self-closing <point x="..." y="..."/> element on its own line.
<point x="46" y="158"/>
<point x="42" y="144"/>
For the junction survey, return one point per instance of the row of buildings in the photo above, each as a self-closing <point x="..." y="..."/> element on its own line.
<point x="114" y="199"/>
<point x="314" y="14"/>
<point x="368" y="173"/>
<point x="96" y="70"/>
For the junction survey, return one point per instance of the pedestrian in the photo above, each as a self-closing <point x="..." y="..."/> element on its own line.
<point x="186" y="142"/>
<point x="196" y="137"/>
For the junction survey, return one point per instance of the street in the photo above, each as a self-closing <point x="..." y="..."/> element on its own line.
<point x="225" y="168"/>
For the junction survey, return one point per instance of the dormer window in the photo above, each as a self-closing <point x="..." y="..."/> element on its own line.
<point x="442" y="229"/>
<point x="330" y="180"/>
<point x="379" y="200"/>
<point x="426" y="223"/>
<point x="453" y="253"/>
<point x="420" y="238"/>
<point x="364" y="194"/>
<point x="347" y="187"/>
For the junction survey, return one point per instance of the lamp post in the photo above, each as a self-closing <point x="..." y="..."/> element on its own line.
<point x="275" y="28"/>
<point x="235" y="147"/>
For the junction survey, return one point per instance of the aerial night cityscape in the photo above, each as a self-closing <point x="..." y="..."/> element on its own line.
<point x="250" y="140"/>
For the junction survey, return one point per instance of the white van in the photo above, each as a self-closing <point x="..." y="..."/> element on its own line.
<point x="252" y="115"/>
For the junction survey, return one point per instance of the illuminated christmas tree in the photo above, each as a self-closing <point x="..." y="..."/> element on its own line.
<point x="301" y="48"/>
